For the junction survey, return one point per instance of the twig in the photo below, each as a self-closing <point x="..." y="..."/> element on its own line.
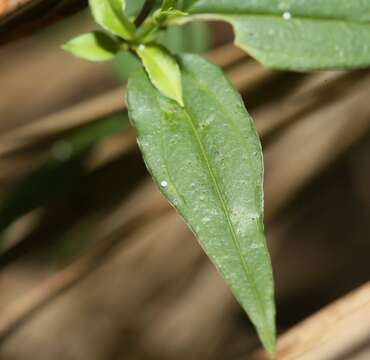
<point x="145" y="11"/>
<point x="77" y="115"/>
<point x="332" y="333"/>
<point x="108" y="237"/>
<point x="20" y="311"/>
<point x="7" y="7"/>
<point x="283" y="183"/>
<point x="290" y="171"/>
<point x="18" y="21"/>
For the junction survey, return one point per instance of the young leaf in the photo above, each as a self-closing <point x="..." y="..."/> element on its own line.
<point x="118" y="5"/>
<point x="94" y="46"/>
<point x="110" y="16"/>
<point x="297" y="34"/>
<point x="206" y="158"/>
<point x="167" y="4"/>
<point x="163" y="70"/>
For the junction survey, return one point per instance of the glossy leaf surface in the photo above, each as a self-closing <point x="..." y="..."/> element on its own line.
<point x="297" y="34"/>
<point x="206" y="158"/>
<point x="108" y="15"/>
<point x="163" y="70"/>
<point x="94" y="46"/>
<point x="118" y="5"/>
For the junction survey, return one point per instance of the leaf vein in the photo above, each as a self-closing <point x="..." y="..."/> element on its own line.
<point x="222" y="202"/>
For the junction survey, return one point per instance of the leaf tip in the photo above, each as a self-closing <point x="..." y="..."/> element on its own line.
<point x="179" y="99"/>
<point x="267" y="336"/>
<point x="66" y="47"/>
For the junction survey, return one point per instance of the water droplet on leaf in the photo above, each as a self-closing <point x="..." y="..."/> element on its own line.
<point x="287" y="15"/>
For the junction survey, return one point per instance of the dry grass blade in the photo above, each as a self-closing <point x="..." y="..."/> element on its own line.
<point x="110" y="103"/>
<point x="76" y="116"/>
<point x="329" y="137"/>
<point x="23" y="17"/>
<point x="304" y="134"/>
<point x="276" y="157"/>
<point x="333" y="333"/>
<point x="108" y="235"/>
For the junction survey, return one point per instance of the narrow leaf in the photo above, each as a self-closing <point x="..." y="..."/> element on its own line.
<point x="297" y="34"/>
<point x="163" y="70"/>
<point x="110" y="16"/>
<point x="95" y="46"/>
<point x="206" y="158"/>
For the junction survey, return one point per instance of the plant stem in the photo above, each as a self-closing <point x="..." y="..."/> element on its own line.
<point x="167" y="4"/>
<point x="145" y="11"/>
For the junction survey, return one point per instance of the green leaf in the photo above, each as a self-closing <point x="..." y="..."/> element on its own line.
<point x="296" y="34"/>
<point x="167" y="4"/>
<point x="133" y="7"/>
<point x="163" y="70"/>
<point x="95" y="46"/>
<point x="194" y="37"/>
<point x="118" y="5"/>
<point x="110" y="16"/>
<point x="124" y="64"/>
<point x="206" y="158"/>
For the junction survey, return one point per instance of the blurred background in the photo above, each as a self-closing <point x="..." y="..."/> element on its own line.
<point x="96" y="266"/>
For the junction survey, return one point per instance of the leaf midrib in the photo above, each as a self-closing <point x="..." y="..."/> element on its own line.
<point x="222" y="202"/>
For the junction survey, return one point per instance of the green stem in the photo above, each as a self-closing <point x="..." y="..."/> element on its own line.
<point x="145" y="30"/>
<point x="167" y="4"/>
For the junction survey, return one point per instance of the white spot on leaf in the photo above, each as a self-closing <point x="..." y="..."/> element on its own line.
<point x="287" y="15"/>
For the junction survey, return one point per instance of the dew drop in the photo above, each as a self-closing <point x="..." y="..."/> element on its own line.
<point x="287" y="15"/>
<point x="164" y="184"/>
<point x="141" y="47"/>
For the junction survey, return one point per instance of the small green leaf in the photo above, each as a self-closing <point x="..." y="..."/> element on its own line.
<point x="206" y="158"/>
<point x="118" y="5"/>
<point x="167" y="4"/>
<point x="94" y="46"/>
<point x="110" y="16"/>
<point x="163" y="70"/>
<point x="193" y="37"/>
<point x="296" y="34"/>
